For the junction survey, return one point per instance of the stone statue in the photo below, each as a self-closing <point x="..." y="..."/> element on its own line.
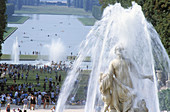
<point x="141" y="106"/>
<point x="105" y="90"/>
<point x="117" y="85"/>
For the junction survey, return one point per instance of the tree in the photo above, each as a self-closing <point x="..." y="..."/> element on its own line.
<point x="80" y="3"/>
<point x="86" y="5"/>
<point x="38" y="2"/>
<point x="10" y="8"/>
<point x="68" y="3"/>
<point x="164" y="99"/>
<point x="2" y="22"/>
<point x="19" y="4"/>
<point x="97" y="12"/>
<point x="156" y="11"/>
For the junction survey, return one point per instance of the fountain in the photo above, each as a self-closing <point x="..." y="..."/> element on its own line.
<point x="56" y="50"/>
<point x="15" y="52"/>
<point x="142" y="47"/>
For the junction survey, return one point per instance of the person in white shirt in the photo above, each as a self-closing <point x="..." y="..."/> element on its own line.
<point x="39" y="99"/>
<point x="8" y="98"/>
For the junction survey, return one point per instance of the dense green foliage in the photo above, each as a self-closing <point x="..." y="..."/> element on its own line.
<point x="78" y="3"/>
<point x="156" y="11"/>
<point x="87" y="5"/>
<point x="10" y="8"/>
<point x="97" y="12"/>
<point x="164" y="99"/>
<point x="2" y="21"/>
<point x="124" y="3"/>
<point x="19" y="3"/>
<point x="68" y="3"/>
<point x="31" y="2"/>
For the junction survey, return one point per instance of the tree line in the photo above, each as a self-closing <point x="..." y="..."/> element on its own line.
<point x="10" y="8"/>
<point x="19" y="3"/>
<point x="3" y="22"/>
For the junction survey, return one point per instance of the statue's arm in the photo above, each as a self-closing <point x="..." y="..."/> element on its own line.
<point x="137" y="73"/>
<point x="111" y="69"/>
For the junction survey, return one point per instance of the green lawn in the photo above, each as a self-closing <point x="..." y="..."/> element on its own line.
<point x="78" y="89"/>
<point x="23" y="57"/>
<point x="34" y="57"/>
<point x="32" y="78"/>
<point x="17" y="19"/>
<point x="87" y="21"/>
<point x="72" y="58"/>
<point x="56" y="10"/>
<point x="9" y="31"/>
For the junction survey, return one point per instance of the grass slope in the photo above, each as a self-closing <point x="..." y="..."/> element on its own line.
<point x="56" y="10"/>
<point x="32" y="78"/>
<point x="87" y="21"/>
<point x="23" y="57"/>
<point x="17" y="19"/>
<point x="34" y="57"/>
<point x="9" y="31"/>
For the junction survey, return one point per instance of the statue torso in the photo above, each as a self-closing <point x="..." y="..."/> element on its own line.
<point x="122" y="71"/>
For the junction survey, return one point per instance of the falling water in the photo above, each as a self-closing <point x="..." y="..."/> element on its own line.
<point x="15" y="52"/>
<point x="127" y="28"/>
<point x="56" y="50"/>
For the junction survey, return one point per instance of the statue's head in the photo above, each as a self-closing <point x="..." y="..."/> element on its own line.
<point x="119" y="51"/>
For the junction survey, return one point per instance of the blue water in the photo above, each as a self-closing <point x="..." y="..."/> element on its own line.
<point x="39" y="31"/>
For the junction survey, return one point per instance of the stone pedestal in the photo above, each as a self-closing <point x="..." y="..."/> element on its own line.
<point x="168" y="81"/>
<point x="159" y="78"/>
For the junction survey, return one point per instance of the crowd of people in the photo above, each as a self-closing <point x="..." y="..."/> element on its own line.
<point x="17" y="89"/>
<point x="32" y="86"/>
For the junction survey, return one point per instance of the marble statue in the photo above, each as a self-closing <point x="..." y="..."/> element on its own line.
<point x="116" y="85"/>
<point x="105" y="90"/>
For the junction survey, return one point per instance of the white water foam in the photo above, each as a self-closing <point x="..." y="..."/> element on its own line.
<point x="130" y="29"/>
<point x="15" y="52"/>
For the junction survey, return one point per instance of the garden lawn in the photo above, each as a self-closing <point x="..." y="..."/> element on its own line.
<point x="17" y="19"/>
<point x="56" y="10"/>
<point x="87" y="21"/>
<point x="9" y="31"/>
<point x="32" y="79"/>
<point x="23" y="57"/>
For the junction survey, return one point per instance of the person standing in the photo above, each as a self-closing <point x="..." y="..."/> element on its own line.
<point x="22" y="75"/>
<point x="25" y="102"/>
<point x="8" y="108"/>
<point x="59" y="78"/>
<point x="8" y="98"/>
<point x="29" y="102"/>
<point x="39" y="99"/>
<point x="47" y="100"/>
<point x="44" y="86"/>
<point x="52" y="97"/>
<point x="33" y="102"/>
<point x="56" y="77"/>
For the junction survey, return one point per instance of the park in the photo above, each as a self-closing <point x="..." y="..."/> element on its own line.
<point x="84" y="56"/>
